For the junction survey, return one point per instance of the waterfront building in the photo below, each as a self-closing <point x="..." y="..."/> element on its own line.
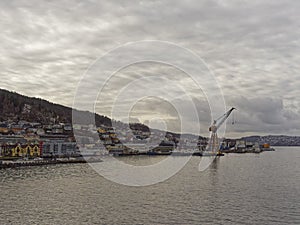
<point x="20" y="150"/>
<point x="59" y="149"/>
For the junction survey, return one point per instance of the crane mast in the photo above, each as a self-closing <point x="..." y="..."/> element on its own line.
<point x="213" y="145"/>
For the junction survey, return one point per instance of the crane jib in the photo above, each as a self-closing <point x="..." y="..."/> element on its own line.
<point x="218" y="122"/>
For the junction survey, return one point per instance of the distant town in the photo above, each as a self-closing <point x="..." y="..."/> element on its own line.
<point x="33" y="139"/>
<point x="34" y="128"/>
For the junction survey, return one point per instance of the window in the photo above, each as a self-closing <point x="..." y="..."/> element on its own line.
<point x="64" y="148"/>
<point x="55" y="148"/>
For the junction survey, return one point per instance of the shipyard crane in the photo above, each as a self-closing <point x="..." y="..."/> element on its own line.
<point x="213" y="145"/>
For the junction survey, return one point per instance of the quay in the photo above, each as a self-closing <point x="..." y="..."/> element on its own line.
<point x="25" y="163"/>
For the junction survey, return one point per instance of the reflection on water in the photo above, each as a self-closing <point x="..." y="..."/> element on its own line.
<point x="214" y="164"/>
<point x="235" y="189"/>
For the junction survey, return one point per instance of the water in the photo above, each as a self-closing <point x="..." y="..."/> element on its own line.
<point x="236" y="189"/>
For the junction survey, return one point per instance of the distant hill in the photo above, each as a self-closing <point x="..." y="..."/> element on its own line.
<point x="275" y="140"/>
<point x="16" y="107"/>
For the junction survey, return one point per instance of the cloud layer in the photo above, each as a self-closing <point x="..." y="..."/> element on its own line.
<point x="252" y="47"/>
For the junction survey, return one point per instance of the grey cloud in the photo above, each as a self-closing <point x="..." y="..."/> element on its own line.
<point x="252" y="47"/>
<point x="264" y="114"/>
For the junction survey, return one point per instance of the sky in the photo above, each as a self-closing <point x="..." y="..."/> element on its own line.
<point x="251" y="48"/>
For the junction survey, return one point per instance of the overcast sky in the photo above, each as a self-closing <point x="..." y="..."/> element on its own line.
<point x="252" y="48"/>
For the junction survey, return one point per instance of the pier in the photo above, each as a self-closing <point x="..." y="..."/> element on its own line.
<point x="25" y="163"/>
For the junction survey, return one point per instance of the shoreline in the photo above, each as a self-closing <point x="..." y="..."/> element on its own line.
<point x="27" y="163"/>
<point x="16" y="163"/>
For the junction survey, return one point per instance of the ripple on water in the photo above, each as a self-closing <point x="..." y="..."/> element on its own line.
<point x="237" y="189"/>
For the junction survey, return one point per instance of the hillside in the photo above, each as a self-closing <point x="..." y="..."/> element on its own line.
<point x="275" y="140"/>
<point x="16" y="107"/>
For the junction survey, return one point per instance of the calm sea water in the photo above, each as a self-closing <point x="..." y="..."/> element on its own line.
<point x="236" y="189"/>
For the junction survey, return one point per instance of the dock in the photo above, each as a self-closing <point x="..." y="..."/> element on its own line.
<point x="25" y="163"/>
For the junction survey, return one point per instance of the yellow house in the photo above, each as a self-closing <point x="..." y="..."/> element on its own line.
<point x="101" y="131"/>
<point x="17" y="151"/>
<point x="25" y="150"/>
<point x="113" y="135"/>
<point x="35" y="151"/>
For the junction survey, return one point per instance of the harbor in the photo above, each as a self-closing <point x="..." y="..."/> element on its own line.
<point x="15" y="162"/>
<point x="34" y="144"/>
<point x="40" y="162"/>
<point x="234" y="178"/>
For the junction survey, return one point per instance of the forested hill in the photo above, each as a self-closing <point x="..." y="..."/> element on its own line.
<point x="15" y="107"/>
